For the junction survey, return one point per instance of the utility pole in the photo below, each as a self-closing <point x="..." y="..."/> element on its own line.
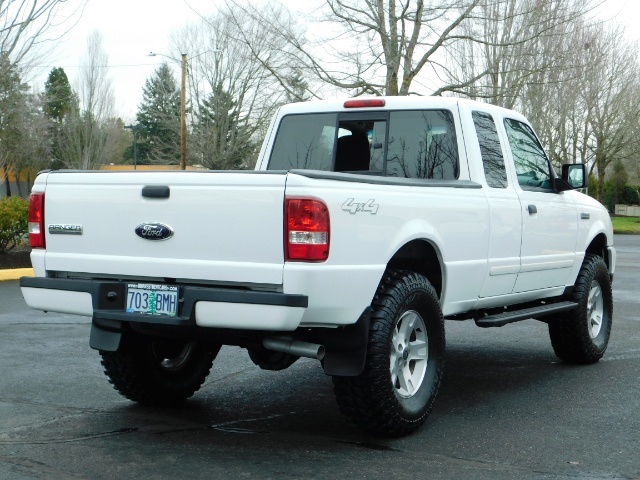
<point x="183" y="104"/>
<point x="183" y="114"/>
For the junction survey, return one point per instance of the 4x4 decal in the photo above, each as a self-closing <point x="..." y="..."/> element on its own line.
<point x="354" y="207"/>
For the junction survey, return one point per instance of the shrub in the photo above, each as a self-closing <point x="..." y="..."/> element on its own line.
<point x="14" y="214"/>
<point x="612" y="194"/>
<point x="630" y="195"/>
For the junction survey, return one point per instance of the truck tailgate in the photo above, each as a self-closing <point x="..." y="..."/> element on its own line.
<point x="227" y="226"/>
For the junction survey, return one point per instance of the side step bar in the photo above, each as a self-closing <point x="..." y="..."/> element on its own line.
<point x="502" y="319"/>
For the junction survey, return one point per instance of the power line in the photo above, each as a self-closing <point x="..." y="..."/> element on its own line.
<point x="97" y="66"/>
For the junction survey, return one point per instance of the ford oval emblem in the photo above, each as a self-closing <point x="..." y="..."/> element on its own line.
<point x="154" y="231"/>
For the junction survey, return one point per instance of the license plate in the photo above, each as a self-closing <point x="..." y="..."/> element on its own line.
<point x="152" y="299"/>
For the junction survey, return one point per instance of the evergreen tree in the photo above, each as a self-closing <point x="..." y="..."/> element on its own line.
<point x="619" y="179"/>
<point x="159" y="114"/>
<point x="59" y="102"/>
<point x="58" y="94"/>
<point x="222" y="136"/>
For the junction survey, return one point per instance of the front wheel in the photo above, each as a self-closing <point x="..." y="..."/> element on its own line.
<point x="405" y="359"/>
<point x="158" y="371"/>
<point x="581" y="335"/>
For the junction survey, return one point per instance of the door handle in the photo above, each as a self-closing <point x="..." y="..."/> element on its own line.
<point x="156" y="191"/>
<point x="532" y="209"/>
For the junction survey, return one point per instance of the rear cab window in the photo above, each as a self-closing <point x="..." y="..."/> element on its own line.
<point x="405" y="144"/>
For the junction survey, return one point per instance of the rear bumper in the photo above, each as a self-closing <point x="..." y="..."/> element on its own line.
<point x="199" y="306"/>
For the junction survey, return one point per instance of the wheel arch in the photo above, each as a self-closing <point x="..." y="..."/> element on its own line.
<point x="420" y="256"/>
<point x="598" y="246"/>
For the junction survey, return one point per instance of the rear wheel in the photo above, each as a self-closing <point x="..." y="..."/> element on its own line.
<point x="582" y="335"/>
<point x="405" y="359"/>
<point x="158" y="371"/>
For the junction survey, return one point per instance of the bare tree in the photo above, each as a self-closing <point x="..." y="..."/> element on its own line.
<point x="85" y="133"/>
<point x="34" y="143"/>
<point x="553" y="96"/>
<point x="510" y="46"/>
<point x="574" y="78"/>
<point x="371" y="46"/>
<point x="613" y="100"/>
<point x="12" y="100"/>
<point x="26" y="26"/>
<point x="25" y="141"/>
<point x="401" y="47"/>
<point x="633" y="159"/>
<point x="233" y="94"/>
<point x="586" y="109"/>
<point x="118" y="140"/>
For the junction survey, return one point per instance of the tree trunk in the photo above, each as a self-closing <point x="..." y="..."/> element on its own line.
<point x="18" y="186"/>
<point x="6" y="182"/>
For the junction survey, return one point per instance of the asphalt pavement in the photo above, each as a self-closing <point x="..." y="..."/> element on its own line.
<point x="508" y="409"/>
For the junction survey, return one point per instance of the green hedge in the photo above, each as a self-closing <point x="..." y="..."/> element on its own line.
<point x="610" y="197"/>
<point x="14" y="214"/>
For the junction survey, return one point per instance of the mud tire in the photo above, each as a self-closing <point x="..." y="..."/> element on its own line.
<point x="158" y="371"/>
<point x="581" y="336"/>
<point x="381" y="400"/>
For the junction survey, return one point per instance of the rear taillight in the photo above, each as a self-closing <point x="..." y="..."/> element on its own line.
<point x="306" y="230"/>
<point x="36" y="220"/>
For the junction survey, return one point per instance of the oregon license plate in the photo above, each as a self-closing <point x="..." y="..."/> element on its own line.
<point x="152" y="299"/>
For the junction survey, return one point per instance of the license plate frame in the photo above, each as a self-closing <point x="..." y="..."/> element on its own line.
<point x="145" y="298"/>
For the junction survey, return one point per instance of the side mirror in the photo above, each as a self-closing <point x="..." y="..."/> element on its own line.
<point x="575" y="175"/>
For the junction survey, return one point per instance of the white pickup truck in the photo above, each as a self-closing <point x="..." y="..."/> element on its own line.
<point x="365" y="224"/>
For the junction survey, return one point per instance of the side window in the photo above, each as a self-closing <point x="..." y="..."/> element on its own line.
<point x="304" y="142"/>
<point x="422" y="144"/>
<point x="490" y="150"/>
<point x="530" y="160"/>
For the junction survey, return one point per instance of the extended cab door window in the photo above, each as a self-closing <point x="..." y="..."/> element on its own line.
<point x="490" y="150"/>
<point x="532" y="166"/>
<point x="422" y="144"/>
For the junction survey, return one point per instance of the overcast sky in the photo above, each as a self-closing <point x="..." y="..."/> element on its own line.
<point x="133" y="28"/>
<point x="130" y="30"/>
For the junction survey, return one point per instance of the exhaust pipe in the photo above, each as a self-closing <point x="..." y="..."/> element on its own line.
<point x="294" y="347"/>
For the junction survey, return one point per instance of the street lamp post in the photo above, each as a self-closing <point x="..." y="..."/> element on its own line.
<point x="134" y="129"/>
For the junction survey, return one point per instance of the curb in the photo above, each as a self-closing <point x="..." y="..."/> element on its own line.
<point x="15" y="274"/>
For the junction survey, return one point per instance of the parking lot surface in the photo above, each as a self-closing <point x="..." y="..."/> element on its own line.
<point x="508" y="409"/>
